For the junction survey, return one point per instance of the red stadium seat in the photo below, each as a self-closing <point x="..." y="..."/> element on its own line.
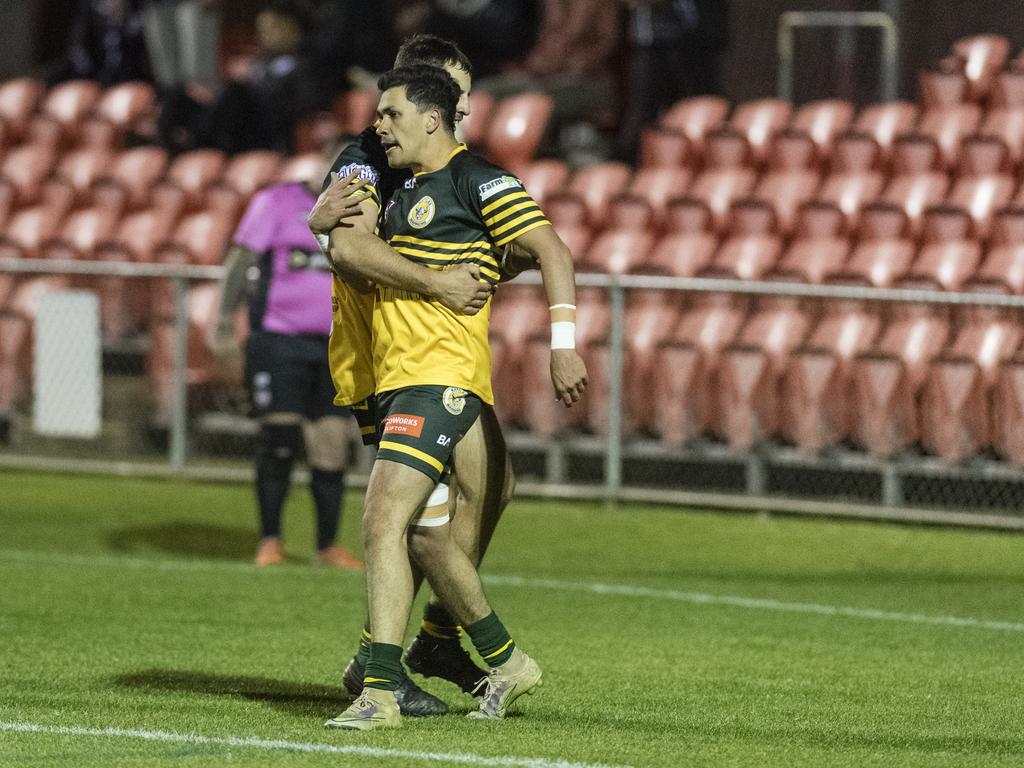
<point x="787" y="191"/>
<point x="304" y="167"/>
<point x="942" y="84"/>
<point x="133" y="174"/>
<point x="944" y="265"/>
<point x="68" y="104"/>
<point x="1007" y="124"/>
<point x="816" y="402"/>
<point x="355" y="109"/>
<point x="26" y="231"/>
<point x="1008" y="410"/>
<point x="944" y="223"/>
<point x="695" y="117"/>
<point x="759" y="121"/>
<point x="1008" y="86"/>
<point x="914" y="192"/>
<point x="518" y="315"/>
<point x="81" y="167"/>
<point x="566" y="209"/>
<point x="79" y="234"/>
<point x="8" y="194"/>
<point x="118" y="110"/>
<point x="517" y="127"/>
<point x="686" y="378"/>
<point x="1008" y="225"/>
<point x="883" y="253"/>
<point x="823" y="121"/>
<point x="199" y="238"/>
<point x="18" y="100"/>
<point x="681" y="254"/>
<point x="618" y="252"/>
<point x="983" y="192"/>
<point x="629" y="211"/>
<point x="473" y="126"/>
<point x="597" y="184"/>
<point x="749" y="381"/>
<point x="983" y="57"/>
<point x="854" y="181"/>
<point x="658" y="186"/>
<point x="948" y="126"/>
<point x="251" y="171"/>
<point x="542" y="178"/>
<point x="576" y="237"/>
<point x="752" y="249"/>
<point x="663" y="148"/>
<point x="956" y="402"/>
<point x="25" y="167"/>
<point x="889" y="378"/>
<point x="193" y="172"/>
<point x="885" y="121"/>
<point x="687" y="214"/>
<point x="818" y="249"/>
<point x="718" y="185"/>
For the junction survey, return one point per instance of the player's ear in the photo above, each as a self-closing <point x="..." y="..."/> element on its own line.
<point x="433" y="120"/>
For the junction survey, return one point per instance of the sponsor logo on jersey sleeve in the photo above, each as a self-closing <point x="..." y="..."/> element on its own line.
<point x="362" y="171"/>
<point x="422" y="213"/>
<point x="500" y="184"/>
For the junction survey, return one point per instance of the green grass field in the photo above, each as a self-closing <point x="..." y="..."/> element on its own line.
<point x="135" y="632"/>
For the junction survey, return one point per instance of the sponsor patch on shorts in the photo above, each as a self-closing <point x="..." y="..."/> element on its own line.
<point x="493" y="187"/>
<point x="404" y="424"/>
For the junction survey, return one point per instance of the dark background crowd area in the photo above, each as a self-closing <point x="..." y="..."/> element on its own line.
<point x="238" y="74"/>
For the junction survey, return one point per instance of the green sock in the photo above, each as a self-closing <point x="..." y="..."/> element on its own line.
<point x="438" y="624"/>
<point x="491" y="640"/>
<point x="384" y="668"/>
<point x="363" y="654"/>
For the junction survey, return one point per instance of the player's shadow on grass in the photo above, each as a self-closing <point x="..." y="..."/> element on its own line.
<point x="300" y="699"/>
<point x="186" y="538"/>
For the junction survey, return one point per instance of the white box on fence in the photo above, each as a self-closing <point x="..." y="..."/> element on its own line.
<point x="67" y="388"/>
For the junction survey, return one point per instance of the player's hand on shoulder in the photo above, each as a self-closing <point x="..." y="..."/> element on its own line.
<point x="462" y="290"/>
<point x="516" y="260"/>
<point x="340" y="200"/>
<point x="569" y="375"/>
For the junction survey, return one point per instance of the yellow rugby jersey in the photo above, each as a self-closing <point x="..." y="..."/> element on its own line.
<point x="349" y="350"/>
<point x="462" y="213"/>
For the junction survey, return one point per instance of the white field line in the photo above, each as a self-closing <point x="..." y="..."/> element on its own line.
<point x="449" y="758"/>
<point x="588" y="587"/>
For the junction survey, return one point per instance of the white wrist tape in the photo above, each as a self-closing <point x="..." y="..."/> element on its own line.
<point x="563" y="335"/>
<point x="324" y="241"/>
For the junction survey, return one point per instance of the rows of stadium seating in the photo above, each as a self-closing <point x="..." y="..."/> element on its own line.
<point x="900" y="194"/>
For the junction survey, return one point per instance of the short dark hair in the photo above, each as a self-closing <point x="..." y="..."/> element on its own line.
<point x="428" y="88"/>
<point x="432" y="50"/>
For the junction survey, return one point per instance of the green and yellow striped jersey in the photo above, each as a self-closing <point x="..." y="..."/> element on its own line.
<point x="462" y="213"/>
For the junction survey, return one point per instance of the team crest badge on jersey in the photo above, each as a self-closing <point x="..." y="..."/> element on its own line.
<point x="454" y="400"/>
<point x="422" y="213"/>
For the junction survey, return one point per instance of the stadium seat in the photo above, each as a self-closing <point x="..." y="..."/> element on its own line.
<point x="956" y="402"/>
<point x="942" y="84"/>
<point x="519" y="313"/>
<point x="854" y="181"/>
<point x="681" y="254"/>
<point x="725" y="176"/>
<point x="943" y="222"/>
<point x="81" y="167"/>
<point x="26" y="231"/>
<point x="1002" y="270"/>
<point x="823" y="121"/>
<point x="249" y="172"/>
<point x="1006" y="123"/>
<point x="943" y="265"/>
<point x="695" y="117"/>
<point x="817" y="249"/>
<point x="193" y="172"/>
<point x="8" y="194"/>
<point x="1008" y="86"/>
<point x="889" y="378"/>
<point x="517" y="127"/>
<point x="885" y="121"/>
<point x="751" y="371"/>
<point x="618" y="251"/>
<point x="985" y="188"/>
<point x="303" y="167"/>
<point x="565" y="209"/>
<point x="792" y="181"/>
<point x="355" y="109"/>
<point x="597" y="184"/>
<point x="651" y="316"/>
<point x="25" y="167"/>
<point x="759" y="121"/>
<point x="628" y="211"/>
<point x="1008" y="410"/>
<point x="68" y="104"/>
<point x="79" y="234"/>
<point x="948" y="126"/>
<point x="663" y="148"/>
<point x="752" y="248"/>
<point x="542" y="178"/>
<point x="119" y="108"/>
<point x="18" y="101"/>
<point x="473" y="127"/>
<point x="686" y="378"/>
<point x="983" y="57"/>
<point x="199" y="238"/>
<point x="132" y="175"/>
<point x="816" y="389"/>
<point x="916" y="188"/>
<point x="659" y="185"/>
<point x="1008" y="225"/>
<point x="883" y="252"/>
<point x="577" y="238"/>
<point x="687" y="214"/>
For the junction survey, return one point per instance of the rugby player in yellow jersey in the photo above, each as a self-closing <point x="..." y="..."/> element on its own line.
<point x="483" y="472"/>
<point x="433" y="371"/>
